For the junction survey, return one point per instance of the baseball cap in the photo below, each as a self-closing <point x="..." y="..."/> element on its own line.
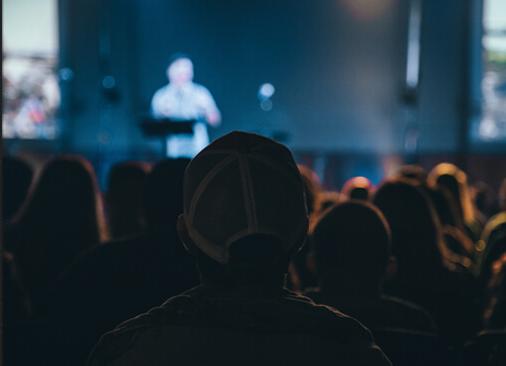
<point x="243" y="184"/>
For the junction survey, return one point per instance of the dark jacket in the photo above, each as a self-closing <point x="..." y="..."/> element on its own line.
<point x="212" y="325"/>
<point x="379" y="312"/>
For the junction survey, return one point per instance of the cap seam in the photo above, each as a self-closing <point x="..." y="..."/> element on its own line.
<point x="249" y="199"/>
<point x="203" y="184"/>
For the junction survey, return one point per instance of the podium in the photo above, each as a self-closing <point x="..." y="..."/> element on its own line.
<point x="163" y="128"/>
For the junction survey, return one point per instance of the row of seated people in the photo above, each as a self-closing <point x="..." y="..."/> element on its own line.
<point x="253" y="262"/>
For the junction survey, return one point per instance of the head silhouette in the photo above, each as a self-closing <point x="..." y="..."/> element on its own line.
<point x="352" y="246"/>
<point x="415" y="228"/>
<point x="60" y="219"/>
<point x="357" y="188"/>
<point x="64" y="202"/>
<point x="243" y="203"/>
<point x="124" y="198"/>
<point x="180" y="70"/>
<point x="453" y="179"/>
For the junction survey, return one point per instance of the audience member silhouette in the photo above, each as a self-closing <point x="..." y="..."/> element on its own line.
<point x="16" y="181"/>
<point x="352" y="252"/>
<point x="60" y="219"/>
<point x="244" y="221"/>
<point x="122" y="278"/>
<point x="495" y="312"/>
<point x="426" y="273"/>
<point x="489" y="346"/>
<point x="459" y="247"/>
<point x="244" y="215"/>
<point x="357" y="188"/>
<point x="493" y="238"/>
<point x="123" y="199"/>
<point x="455" y="181"/>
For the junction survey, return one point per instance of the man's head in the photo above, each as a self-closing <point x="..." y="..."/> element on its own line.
<point x="243" y="186"/>
<point x="352" y="245"/>
<point x="357" y="188"/>
<point x="180" y="70"/>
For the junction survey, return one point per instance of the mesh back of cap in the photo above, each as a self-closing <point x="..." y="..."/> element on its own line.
<point x="235" y="192"/>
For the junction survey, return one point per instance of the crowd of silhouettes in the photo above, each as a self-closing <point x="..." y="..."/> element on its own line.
<point x="241" y="256"/>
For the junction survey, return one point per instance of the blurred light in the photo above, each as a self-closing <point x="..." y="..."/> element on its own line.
<point x="266" y="91"/>
<point x="109" y="82"/>
<point x="367" y="9"/>
<point x="488" y="128"/>
<point x="66" y="74"/>
<point x="413" y="56"/>
<point x="266" y="105"/>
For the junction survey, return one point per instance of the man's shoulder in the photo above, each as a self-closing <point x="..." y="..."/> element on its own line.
<point x="200" y="89"/>
<point x="116" y="342"/>
<point x="417" y="314"/>
<point x="162" y="90"/>
<point x="193" y="308"/>
<point x="288" y="314"/>
<point x="401" y="303"/>
<point x="314" y="293"/>
<point x="327" y="321"/>
<point x="197" y="86"/>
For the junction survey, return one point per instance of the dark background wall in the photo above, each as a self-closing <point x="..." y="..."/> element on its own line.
<point x="445" y="72"/>
<point x="337" y="67"/>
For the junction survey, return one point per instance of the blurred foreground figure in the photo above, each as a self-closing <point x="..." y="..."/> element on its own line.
<point x="61" y="218"/>
<point x="16" y="181"/>
<point x="244" y="216"/>
<point x="182" y="99"/>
